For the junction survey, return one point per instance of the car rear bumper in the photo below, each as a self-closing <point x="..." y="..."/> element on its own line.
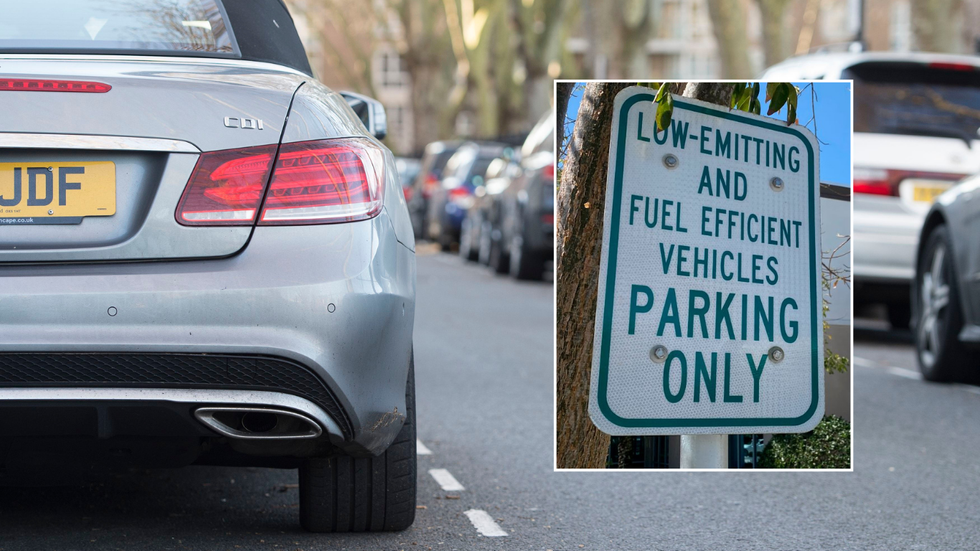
<point x="335" y="302"/>
<point x="884" y="240"/>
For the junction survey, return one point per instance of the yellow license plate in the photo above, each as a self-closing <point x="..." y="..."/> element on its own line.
<point x="56" y="193"/>
<point x="927" y="194"/>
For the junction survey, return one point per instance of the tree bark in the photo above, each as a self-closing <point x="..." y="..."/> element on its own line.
<point x="581" y="202"/>
<point x="728" y="24"/>
<point x="937" y="25"/>
<point x="718" y="93"/>
<point x="773" y="30"/>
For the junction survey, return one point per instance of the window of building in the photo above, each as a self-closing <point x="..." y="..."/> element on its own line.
<point x="390" y="70"/>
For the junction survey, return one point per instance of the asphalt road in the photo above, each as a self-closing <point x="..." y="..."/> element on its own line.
<point x="485" y="392"/>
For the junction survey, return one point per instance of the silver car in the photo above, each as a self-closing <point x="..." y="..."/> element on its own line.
<point x="915" y="136"/>
<point x="205" y="255"/>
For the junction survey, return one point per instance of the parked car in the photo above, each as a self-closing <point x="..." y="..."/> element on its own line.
<point x="434" y="160"/>
<point x="205" y="256"/>
<point x="408" y="169"/>
<point x="464" y="171"/>
<point x="946" y="291"/>
<point x="522" y="223"/>
<point x="915" y="136"/>
<point x="476" y="228"/>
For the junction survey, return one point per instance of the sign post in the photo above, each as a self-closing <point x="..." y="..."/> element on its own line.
<point x="709" y="318"/>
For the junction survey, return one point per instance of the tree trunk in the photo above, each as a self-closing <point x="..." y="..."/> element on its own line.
<point x="728" y="24"/>
<point x="581" y="202"/>
<point x="773" y="30"/>
<point x="719" y="93"/>
<point x="937" y="25"/>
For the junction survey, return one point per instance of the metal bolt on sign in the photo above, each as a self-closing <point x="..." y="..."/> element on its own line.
<point x="670" y="160"/>
<point x="658" y="353"/>
<point x="776" y="354"/>
<point x="776" y="184"/>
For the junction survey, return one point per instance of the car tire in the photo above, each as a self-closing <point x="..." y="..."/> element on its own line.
<point x="938" y="313"/>
<point x="525" y="264"/>
<point x="486" y="239"/>
<point x="364" y="494"/>
<point x="498" y="260"/>
<point x="466" y="250"/>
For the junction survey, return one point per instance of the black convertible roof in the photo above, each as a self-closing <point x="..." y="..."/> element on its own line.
<point x="265" y="31"/>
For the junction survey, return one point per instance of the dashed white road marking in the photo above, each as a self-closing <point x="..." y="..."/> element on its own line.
<point x="899" y="371"/>
<point x="485" y="524"/>
<point x="446" y="480"/>
<point x="862" y="362"/>
<point x="420" y="448"/>
<point x="902" y="372"/>
<point x="908" y="373"/>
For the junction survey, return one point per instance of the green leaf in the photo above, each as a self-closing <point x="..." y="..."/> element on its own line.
<point x="755" y="90"/>
<point x="791" y="115"/>
<point x="736" y="94"/>
<point x="664" y="89"/>
<point x="778" y="98"/>
<point x="654" y="85"/>
<point x="793" y="96"/>
<point x="770" y="89"/>
<point x="745" y="100"/>
<point x="755" y="108"/>
<point x="665" y="109"/>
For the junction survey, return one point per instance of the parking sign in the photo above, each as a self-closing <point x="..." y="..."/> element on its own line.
<point x="709" y="313"/>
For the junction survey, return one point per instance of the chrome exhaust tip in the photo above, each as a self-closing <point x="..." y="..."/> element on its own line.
<point x="257" y="423"/>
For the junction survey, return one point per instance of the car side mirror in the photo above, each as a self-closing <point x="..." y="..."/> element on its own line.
<point x="370" y="111"/>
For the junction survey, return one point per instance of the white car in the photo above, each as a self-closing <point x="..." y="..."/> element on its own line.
<point x="916" y="117"/>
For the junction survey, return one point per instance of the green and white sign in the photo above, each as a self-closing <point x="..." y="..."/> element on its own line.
<point x="709" y="309"/>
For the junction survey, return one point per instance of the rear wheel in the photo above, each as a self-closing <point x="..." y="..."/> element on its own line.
<point x="466" y="249"/>
<point x="363" y="494"/>
<point x="498" y="260"/>
<point x="525" y="264"/>
<point x="939" y="317"/>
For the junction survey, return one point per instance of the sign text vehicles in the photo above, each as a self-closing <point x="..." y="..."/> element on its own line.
<point x="709" y="314"/>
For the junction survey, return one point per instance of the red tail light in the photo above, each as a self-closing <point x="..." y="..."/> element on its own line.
<point x="873" y="182"/>
<point x="876" y="181"/>
<point x="35" y="85"/>
<point x="407" y="191"/>
<point x="548" y="172"/>
<point x="430" y="185"/>
<point x="318" y="182"/>
<point x="325" y="181"/>
<point x="548" y="218"/>
<point x="458" y="193"/>
<point x="952" y="66"/>
<point x="226" y="187"/>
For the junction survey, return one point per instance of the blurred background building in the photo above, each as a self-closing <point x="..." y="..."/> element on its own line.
<point x="484" y="68"/>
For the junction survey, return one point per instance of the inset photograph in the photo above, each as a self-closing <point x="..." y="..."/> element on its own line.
<point x="702" y="272"/>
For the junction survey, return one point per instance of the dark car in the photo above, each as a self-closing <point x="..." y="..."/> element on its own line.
<point x="408" y="169"/>
<point x="946" y="289"/>
<point x="427" y="180"/>
<point x="476" y="228"/>
<point x="464" y="172"/>
<point x="522" y="222"/>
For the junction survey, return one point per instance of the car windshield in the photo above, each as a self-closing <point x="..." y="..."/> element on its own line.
<point x="940" y="100"/>
<point x="479" y="171"/>
<point x="31" y="26"/>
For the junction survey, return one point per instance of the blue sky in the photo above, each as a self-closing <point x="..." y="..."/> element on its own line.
<point x="833" y="124"/>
